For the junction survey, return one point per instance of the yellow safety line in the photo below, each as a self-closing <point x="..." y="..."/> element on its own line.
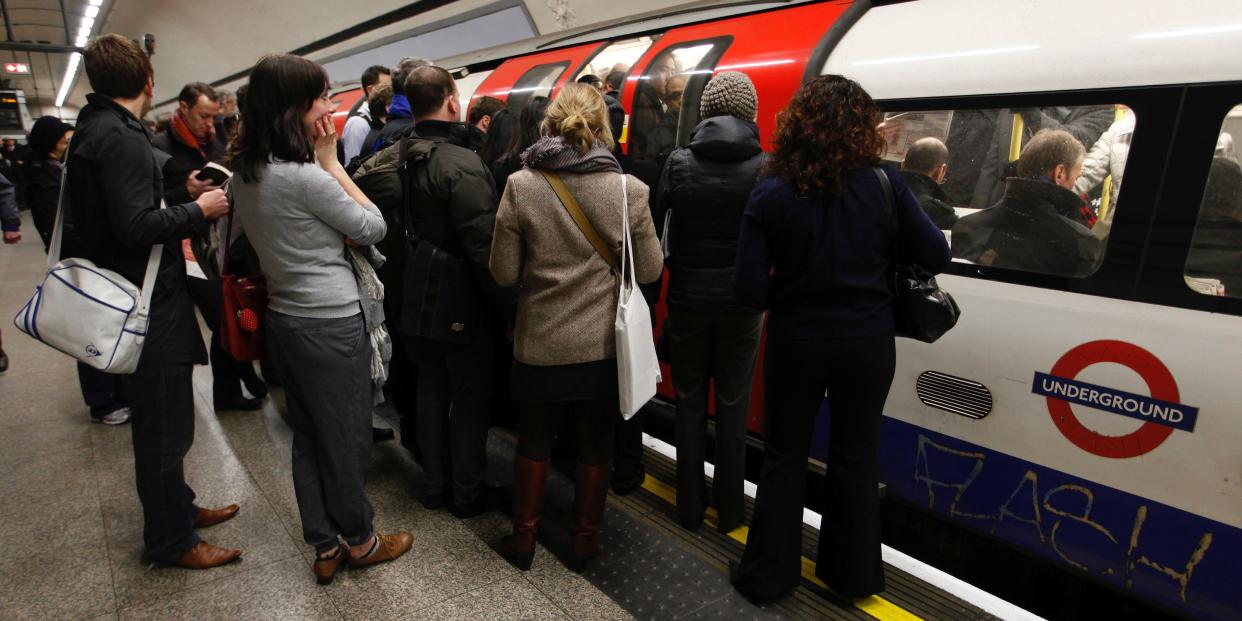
<point x="874" y="605"/>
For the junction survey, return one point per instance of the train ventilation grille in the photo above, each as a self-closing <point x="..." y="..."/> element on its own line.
<point x="954" y="394"/>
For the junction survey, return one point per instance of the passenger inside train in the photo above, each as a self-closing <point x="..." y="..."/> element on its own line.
<point x="643" y="305"/>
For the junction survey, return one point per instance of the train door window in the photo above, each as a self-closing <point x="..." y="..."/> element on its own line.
<point x="1214" y="265"/>
<point x="538" y="81"/>
<point x="618" y="56"/>
<point x="1029" y="189"/>
<point x="666" y="106"/>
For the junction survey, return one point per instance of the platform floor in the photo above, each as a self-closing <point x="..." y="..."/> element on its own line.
<point x="70" y="525"/>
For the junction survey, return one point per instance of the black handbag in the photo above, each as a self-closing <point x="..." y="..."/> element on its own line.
<point x="922" y="310"/>
<point x="440" y="300"/>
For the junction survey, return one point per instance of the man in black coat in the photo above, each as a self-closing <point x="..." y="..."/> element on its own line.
<point x="115" y="187"/>
<point x="190" y="142"/>
<point x="1037" y="225"/>
<point x="452" y="199"/>
<point x="924" y="168"/>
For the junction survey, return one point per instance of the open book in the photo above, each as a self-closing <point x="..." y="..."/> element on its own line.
<point x="217" y="174"/>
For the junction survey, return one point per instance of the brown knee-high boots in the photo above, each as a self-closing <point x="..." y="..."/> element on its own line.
<point x="590" y="498"/>
<point x="530" y="482"/>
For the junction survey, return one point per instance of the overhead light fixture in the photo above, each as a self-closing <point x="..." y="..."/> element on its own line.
<point x="89" y="14"/>
<point x="70" y="72"/>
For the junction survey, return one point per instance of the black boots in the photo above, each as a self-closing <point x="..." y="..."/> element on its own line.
<point x="530" y="482"/>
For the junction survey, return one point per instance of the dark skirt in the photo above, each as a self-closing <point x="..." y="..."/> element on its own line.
<point x="584" y="381"/>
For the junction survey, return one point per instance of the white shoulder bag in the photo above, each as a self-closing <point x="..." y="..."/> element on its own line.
<point x="638" y="368"/>
<point x="90" y="313"/>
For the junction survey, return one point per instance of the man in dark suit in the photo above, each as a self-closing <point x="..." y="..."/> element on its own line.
<point x="924" y="167"/>
<point x="115" y="187"/>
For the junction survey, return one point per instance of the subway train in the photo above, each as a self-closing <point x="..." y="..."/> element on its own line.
<point x="1090" y="419"/>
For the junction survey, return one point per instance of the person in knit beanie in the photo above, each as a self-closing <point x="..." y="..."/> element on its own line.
<point x="729" y="93"/>
<point x="712" y="340"/>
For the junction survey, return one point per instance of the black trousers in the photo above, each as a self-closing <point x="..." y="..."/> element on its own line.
<point x="454" y="407"/>
<point x="594" y="423"/>
<point x="857" y="374"/>
<point x="101" y="391"/>
<point x="162" y="420"/>
<point x="226" y="373"/>
<point x="707" y="348"/>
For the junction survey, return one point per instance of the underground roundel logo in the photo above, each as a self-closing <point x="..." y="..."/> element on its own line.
<point x="1161" y="411"/>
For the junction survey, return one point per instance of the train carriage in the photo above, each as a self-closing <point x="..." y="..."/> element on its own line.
<point x="1087" y="418"/>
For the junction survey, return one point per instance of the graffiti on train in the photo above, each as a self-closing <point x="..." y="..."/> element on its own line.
<point x="1049" y="510"/>
<point x="1166" y="554"/>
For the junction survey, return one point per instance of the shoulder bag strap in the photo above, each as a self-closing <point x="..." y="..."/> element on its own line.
<point x="575" y="212"/>
<point x="886" y="187"/>
<point x="148" y="279"/>
<point x="58" y="230"/>
<point x="627" y="243"/>
<point x="403" y="173"/>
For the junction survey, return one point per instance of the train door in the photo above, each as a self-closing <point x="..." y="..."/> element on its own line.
<point x="662" y="93"/>
<point x="517" y="80"/>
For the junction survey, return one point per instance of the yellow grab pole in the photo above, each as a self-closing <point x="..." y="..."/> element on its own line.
<point x="1015" y="137"/>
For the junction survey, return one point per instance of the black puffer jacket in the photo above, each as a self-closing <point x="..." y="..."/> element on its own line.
<point x="706" y="184"/>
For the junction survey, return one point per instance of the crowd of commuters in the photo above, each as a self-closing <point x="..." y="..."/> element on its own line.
<point x="484" y="236"/>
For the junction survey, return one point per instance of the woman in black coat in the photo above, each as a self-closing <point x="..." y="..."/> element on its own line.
<point x="712" y="338"/>
<point x="815" y="250"/>
<point x="49" y="138"/>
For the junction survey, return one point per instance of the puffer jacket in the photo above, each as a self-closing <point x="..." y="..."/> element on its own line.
<point x="1107" y="157"/>
<point x="706" y="185"/>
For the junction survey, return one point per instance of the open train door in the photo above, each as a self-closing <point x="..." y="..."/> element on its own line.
<point x="663" y="91"/>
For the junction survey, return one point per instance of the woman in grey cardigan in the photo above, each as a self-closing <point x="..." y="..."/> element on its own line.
<point x="564" y="345"/>
<point x="299" y="209"/>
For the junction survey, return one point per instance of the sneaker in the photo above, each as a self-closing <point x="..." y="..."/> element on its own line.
<point x="115" y="417"/>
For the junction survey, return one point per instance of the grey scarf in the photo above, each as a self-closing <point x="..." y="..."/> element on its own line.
<point x="551" y="153"/>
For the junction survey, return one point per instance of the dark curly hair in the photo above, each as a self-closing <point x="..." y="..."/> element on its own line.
<point x="829" y="128"/>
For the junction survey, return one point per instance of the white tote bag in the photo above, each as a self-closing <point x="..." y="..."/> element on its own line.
<point x="90" y="313"/>
<point x="638" y="369"/>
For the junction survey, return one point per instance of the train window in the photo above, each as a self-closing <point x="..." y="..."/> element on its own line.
<point x="538" y="81"/>
<point x="666" y="106"/>
<point x="1009" y="194"/>
<point x="1214" y="265"/>
<point x="617" y="56"/>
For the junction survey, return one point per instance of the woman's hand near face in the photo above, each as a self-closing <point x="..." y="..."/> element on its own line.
<point x="325" y="142"/>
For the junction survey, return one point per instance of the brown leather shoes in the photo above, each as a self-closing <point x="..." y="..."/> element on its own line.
<point x="205" y="556"/>
<point x="326" y="568"/>
<point x="390" y="547"/>
<point x="211" y="517"/>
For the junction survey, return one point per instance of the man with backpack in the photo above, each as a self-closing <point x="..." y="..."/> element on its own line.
<point x="447" y="207"/>
<point x="361" y="122"/>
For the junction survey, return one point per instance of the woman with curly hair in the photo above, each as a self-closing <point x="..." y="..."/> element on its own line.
<point x="816" y="251"/>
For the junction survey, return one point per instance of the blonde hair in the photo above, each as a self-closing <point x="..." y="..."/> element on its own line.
<point x="579" y="116"/>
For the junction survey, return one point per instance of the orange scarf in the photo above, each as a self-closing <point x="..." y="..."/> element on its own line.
<point x="182" y="129"/>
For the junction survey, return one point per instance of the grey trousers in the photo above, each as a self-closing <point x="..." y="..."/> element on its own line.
<point x="325" y="368"/>
<point x="705" y="348"/>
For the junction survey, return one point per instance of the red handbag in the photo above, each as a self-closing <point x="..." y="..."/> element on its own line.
<point x="245" y="301"/>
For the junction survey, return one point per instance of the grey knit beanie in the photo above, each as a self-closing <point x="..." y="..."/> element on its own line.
<point x="730" y="93"/>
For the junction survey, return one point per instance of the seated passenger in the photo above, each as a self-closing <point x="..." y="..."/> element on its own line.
<point x="923" y="168"/>
<point x="1216" y="251"/>
<point x="1036" y="226"/>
